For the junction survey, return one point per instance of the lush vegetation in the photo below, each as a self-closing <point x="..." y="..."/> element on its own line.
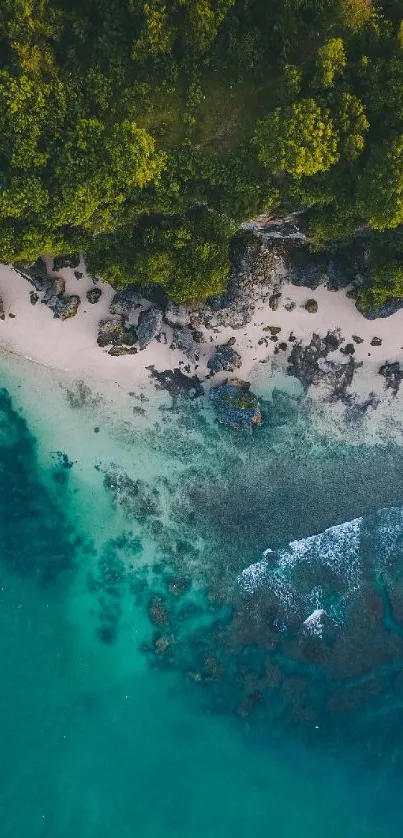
<point x="143" y="132"/>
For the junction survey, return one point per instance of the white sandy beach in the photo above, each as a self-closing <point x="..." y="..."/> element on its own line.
<point x="70" y="346"/>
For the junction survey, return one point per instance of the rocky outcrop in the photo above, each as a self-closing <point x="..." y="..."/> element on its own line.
<point x="64" y="306"/>
<point x="69" y="261"/>
<point x="114" y="332"/>
<point x="177" y="383"/>
<point x="311" y="365"/>
<point x="54" y="287"/>
<point x="224" y="359"/>
<point x="94" y="295"/>
<point x="236" y="405"/>
<point x="149" y="326"/>
<point x="183" y="339"/>
<point x="304" y="361"/>
<point x="176" y="316"/>
<point x="393" y="375"/>
<point x="125" y="303"/>
<point x="384" y="310"/>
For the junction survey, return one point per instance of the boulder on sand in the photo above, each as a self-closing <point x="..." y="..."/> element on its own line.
<point x="149" y="326"/>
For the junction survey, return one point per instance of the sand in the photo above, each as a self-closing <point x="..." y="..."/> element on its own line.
<point x="70" y="346"/>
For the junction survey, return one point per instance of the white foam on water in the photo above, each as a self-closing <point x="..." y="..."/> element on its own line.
<point x="313" y="624"/>
<point x="338" y="547"/>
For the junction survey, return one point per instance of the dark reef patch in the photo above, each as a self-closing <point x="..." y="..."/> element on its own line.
<point x="37" y="539"/>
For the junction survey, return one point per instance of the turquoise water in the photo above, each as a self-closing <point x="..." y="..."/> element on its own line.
<point x="142" y="690"/>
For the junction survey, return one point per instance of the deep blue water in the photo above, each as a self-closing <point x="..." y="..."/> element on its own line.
<point x="144" y="688"/>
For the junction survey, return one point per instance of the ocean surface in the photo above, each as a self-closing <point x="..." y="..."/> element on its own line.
<point x="159" y="675"/>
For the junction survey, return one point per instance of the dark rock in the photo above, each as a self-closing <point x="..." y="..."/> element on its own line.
<point x="125" y="302"/>
<point x="113" y="331"/>
<point x="274" y="330"/>
<point x="274" y="300"/>
<point x="183" y="339"/>
<point x="289" y="306"/>
<point x="157" y="612"/>
<point x="225" y="358"/>
<point x="235" y="405"/>
<point x="357" y="339"/>
<point x="33" y="298"/>
<point x="149" y="326"/>
<point x="64" y="306"/>
<point x="36" y="274"/>
<point x="2" y="315"/>
<point x="93" y="295"/>
<point x="385" y="310"/>
<point x="304" y="363"/>
<point x="198" y="337"/>
<point x="177" y="383"/>
<point x="307" y="269"/>
<point x="122" y="350"/>
<point x="392" y="374"/>
<point x="55" y="287"/>
<point x="311" y="306"/>
<point x="78" y="274"/>
<point x="304" y="360"/>
<point x="348" y="349"/>
<point x="376" y="342"/>
<point x="176" y="316"/>
<point x="283" y="346"/>
<point x="12" y="316"/>
<point x="71" y="261"/>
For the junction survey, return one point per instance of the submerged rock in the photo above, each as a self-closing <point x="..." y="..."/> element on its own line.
<point x="236" y="405"/>
<point x="176" y="383"/>
<point x="149" y="326"/>
<point x="225" y="358"/>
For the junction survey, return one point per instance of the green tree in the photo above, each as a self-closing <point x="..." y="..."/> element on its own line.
<point x="380" y="188"/>
<point x="331" y="61"/>
<point x="300" y="140"/>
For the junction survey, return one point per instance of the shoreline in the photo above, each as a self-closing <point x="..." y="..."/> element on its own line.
<point x="263" y="344"/>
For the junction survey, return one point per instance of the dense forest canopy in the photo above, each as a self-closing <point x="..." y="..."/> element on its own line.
<point x="143" y="132"/>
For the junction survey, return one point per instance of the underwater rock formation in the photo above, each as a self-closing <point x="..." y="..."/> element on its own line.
<point x="235" y="404"/>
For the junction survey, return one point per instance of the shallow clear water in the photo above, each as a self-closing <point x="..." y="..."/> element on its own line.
<point x="142" y="690"/>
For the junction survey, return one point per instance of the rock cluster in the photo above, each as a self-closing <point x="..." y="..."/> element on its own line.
<point x="311" y="365"/>
<point x="393" y="375"/>
<point x="113" y="332"/>
<point x="224" y="359"/>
